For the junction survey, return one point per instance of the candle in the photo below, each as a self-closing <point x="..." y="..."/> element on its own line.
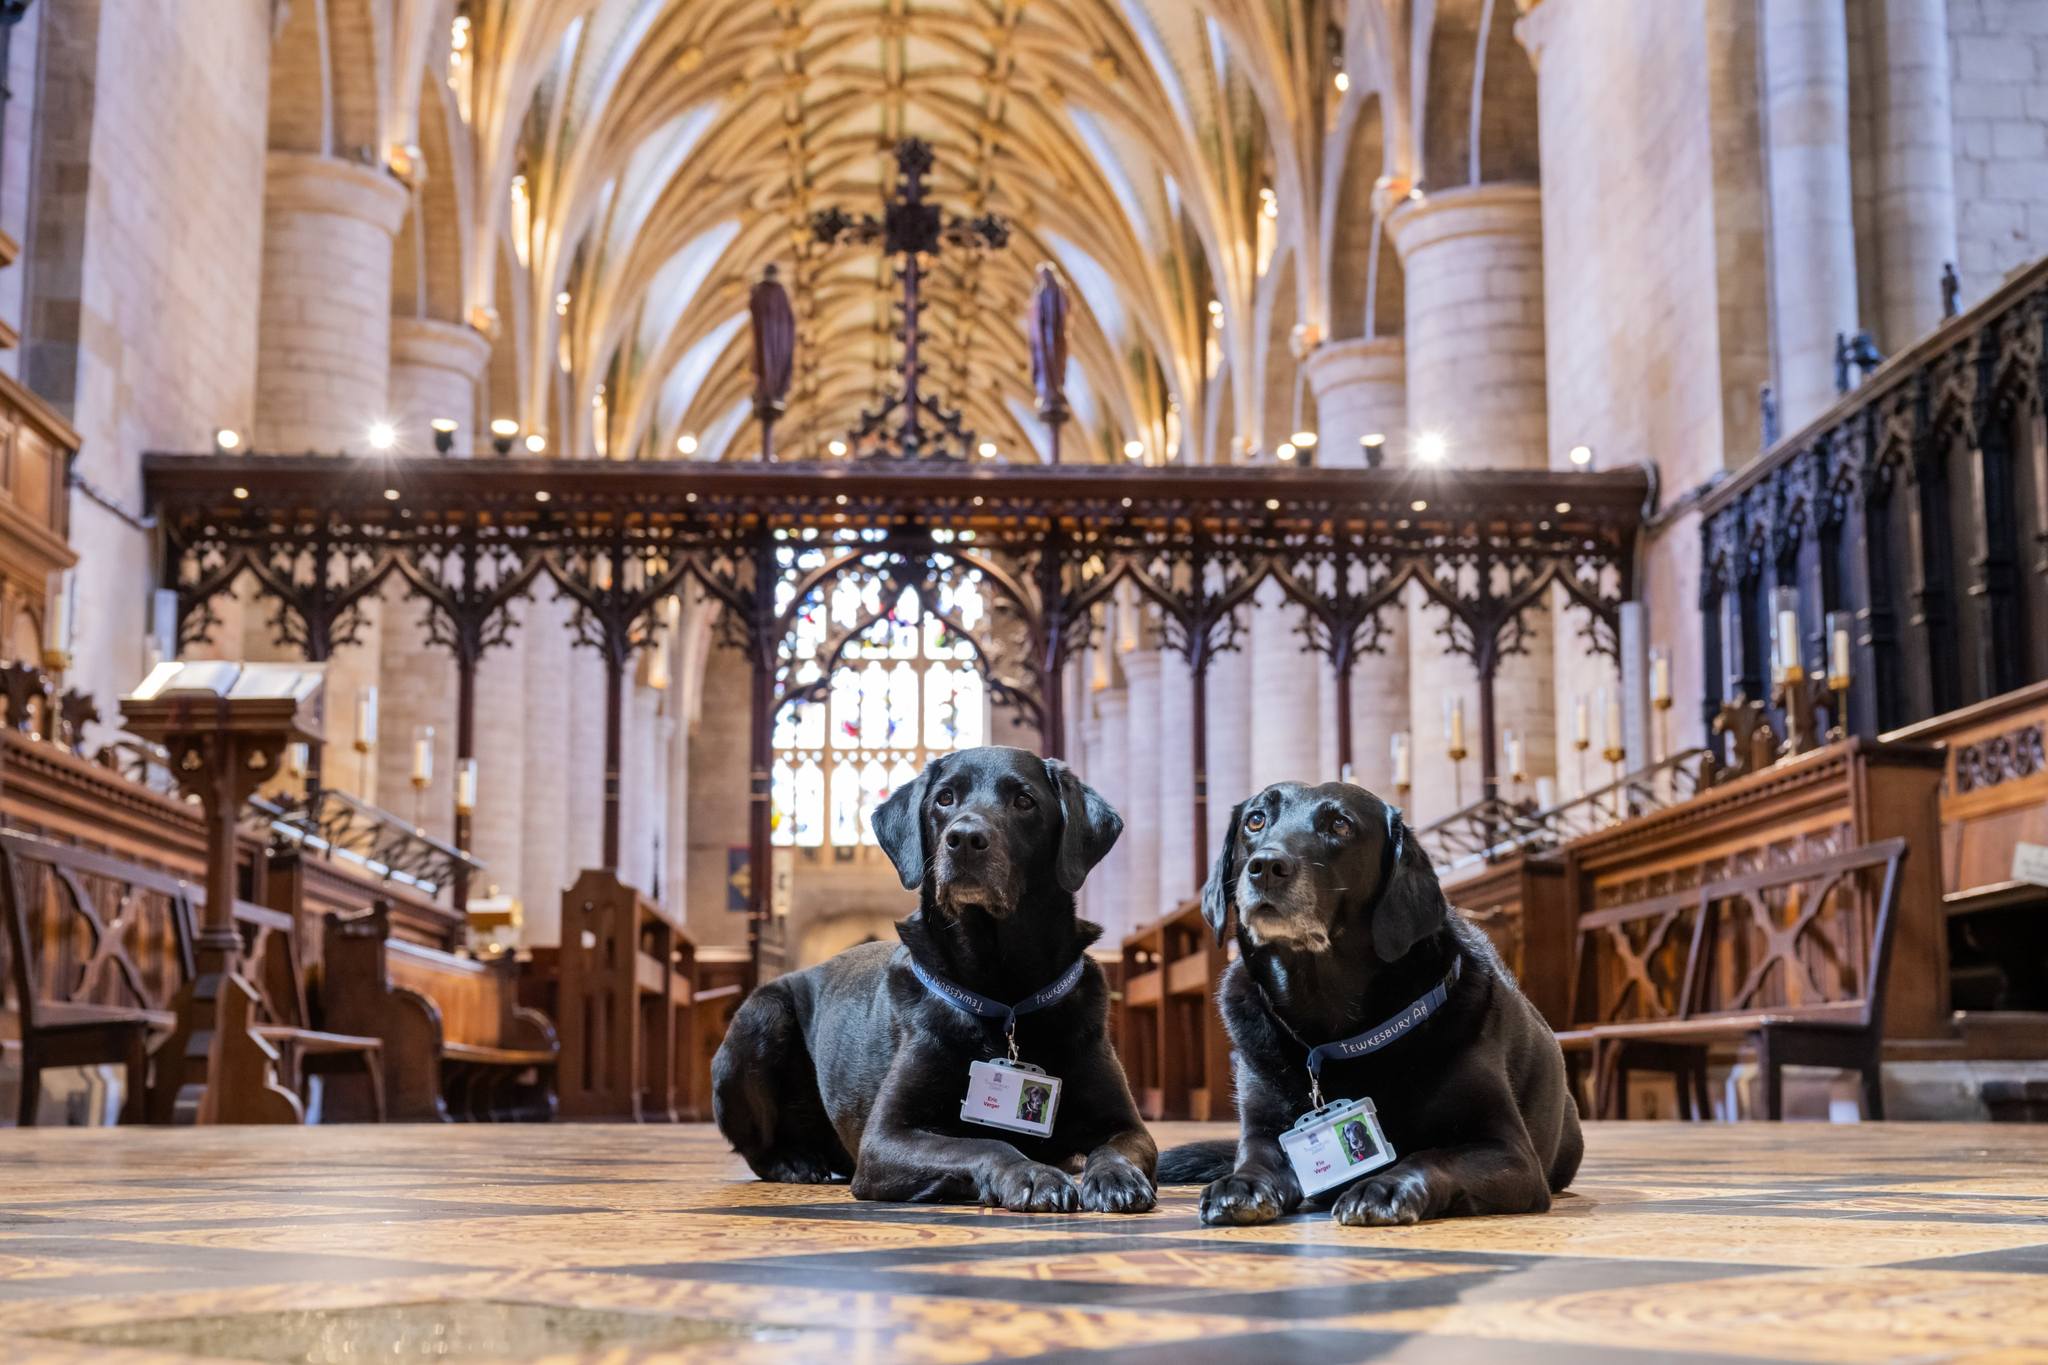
<point x="296" y="757"/>
<point x="1838" y="648"/>
<point x="465" y="787"/>
<point x="1454" y="724"/>
<point x="1660" y="678"/>
<point x="1582" y="722"/>
<point x="1404" y="763"/>
<point x="423" y="756"/>
<point x="1613" y="719"/>
<point x="57" y="619"/>
<point x="366" y="718"/>
<point x="1785" y="637"/>
<point x="1511" y="748"/>
<point x="1546" y="793"/>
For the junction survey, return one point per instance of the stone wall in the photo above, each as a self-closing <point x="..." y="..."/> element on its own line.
<point x="1998" y="54"/>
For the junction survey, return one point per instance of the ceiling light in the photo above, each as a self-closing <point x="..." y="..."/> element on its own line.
<point x="836" y="448"/>
<point x="1134" y="450"/>
<point x="227" y="439"/>
<point x="1285" y="450"/>
<point x="1373" y="439"/>
<point x="562" y="304"/>
<point x="536" y="443"/>
<point x="1582" y="456"/>
<point x="241" y="492"/>
<point x="1343" y="82"/>
<point x="1430" y="448"/>
<point x="1419" y="505"/>
<point x="687" y="443"/>
<point x="1215" y="308"/>
<point x="444" y="434"/>
<point x="1563" y="508"/>
<point x="1272" y="504"/>
<point x="988" y="450"/>
<point x="391" y="495"/>
<point x="504" y="426"/>
<point x="382" y="437"/>
<point x="1305" y="439"/>
<point x="542" y="495"/>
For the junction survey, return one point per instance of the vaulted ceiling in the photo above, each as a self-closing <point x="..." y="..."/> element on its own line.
<point x="599" y="182"/>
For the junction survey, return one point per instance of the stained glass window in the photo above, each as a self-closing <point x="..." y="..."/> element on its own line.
<point x="903" y="688"/>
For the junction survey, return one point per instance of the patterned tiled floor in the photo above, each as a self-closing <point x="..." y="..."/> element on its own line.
<point x="1798" y="1242"/>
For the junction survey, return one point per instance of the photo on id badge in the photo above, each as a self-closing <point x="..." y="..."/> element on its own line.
<point x="1357" y="1142"/>
<point x="1031" y="1101"/>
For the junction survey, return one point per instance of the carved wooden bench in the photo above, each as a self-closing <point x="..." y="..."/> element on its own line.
<point x="1790" y="962"/>
<point x="457" y="1045"/>
<point x="1169" y="1035"/>
<point x="270" y="963"/>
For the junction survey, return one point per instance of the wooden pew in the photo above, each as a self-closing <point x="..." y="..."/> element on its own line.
<point x="456" y="1043"/>
<point x="1994" y="798"/>
<point x="1520" y="902"/>
<point x="1790" y="962"/>
<point x="97" y="949"/>
<point x="1175" y="1052"/>
<point x="271" y="964"/>
<point x="724" y="976"/>
<point x="624" y="976"/>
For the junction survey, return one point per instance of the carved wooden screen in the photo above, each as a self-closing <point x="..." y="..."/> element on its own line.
<point x="84" y="928"/>
<point x="1635" y="960"/>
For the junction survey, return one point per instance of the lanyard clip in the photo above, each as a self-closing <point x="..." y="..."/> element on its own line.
<point x="1315" y="1090"/>
<point x="1010" y="1037"/>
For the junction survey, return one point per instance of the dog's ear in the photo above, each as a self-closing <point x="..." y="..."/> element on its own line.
<point x="899" y="828"/>
<point x="1089" y="826"/>
<point x="1411" y="904"/>
<point x="1219" y="893"/>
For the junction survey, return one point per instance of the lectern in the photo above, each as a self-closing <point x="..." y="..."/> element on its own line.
<point x="227" y="727"/>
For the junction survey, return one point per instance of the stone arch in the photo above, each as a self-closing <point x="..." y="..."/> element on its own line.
<point x="1475" y="61"/>
<point x="328" y="72"/>
<point x="501" y="397"/>
<point x="426" y="264"/>
<point x="1366" y="286"/>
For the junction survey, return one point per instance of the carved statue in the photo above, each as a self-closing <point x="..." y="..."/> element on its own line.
<point x="1049" y="345"/>
<point x="774" y="344"/>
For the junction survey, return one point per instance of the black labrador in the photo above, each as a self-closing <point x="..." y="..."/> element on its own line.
<point x="1341" y="927"/>
<point x="855" y="1067"/>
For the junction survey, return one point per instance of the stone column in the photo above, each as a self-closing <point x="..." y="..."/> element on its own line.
<point x="496" y="833"/>
<point x="1172" y="770"/>
<point x="1114" y="910"/>
<point x="1361" y="389"/>
<point x="323" y="375"/>
<point x="545" y="869"/>
<point x="583" y="773"/>
<point x="1230" y="740"/>
<point x="1474" y="262"/>
<point x="1916" y="189"/>
<point x="434" y="371"/>
<point x="1097" y="902"/>
<point x="1812" y="217"/>
<point x="1284" y="696"/>
<point x="1141" y="805"/>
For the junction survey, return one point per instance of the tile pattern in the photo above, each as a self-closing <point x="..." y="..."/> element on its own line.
<point x="1870" y="1243"/>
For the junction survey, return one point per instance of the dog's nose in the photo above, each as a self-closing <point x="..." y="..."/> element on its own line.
<point x="1269" y="869"/>
<point x="967" y="835"/>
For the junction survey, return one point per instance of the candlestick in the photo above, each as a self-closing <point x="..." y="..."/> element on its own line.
<point x="422" y="755"/>
<point x="366" y="720"/>
<point x="1454" y="728"/>
<point x="465" y="787"/>
<point x="1511" y="753"/>
<point x="1785" y="635"/>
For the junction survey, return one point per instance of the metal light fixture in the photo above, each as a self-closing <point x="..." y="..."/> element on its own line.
<point x="536" y="444"/>
<point x="382" y="436"/>
<point x="1134" y="450"/>
<point x="1374" y="444"/>
<point x="686" y="444"/>
<point x="1582" y="456"/>
<point x="227" y="440"/>
<point x="444" y="434"/>
<point x="503" y="429"/>
<point x="1431" y="447"/>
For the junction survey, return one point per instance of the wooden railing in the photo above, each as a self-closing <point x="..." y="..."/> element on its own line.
<point x="1919" y="503"/>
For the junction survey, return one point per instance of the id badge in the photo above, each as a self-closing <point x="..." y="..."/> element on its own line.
<point x="1012" y="1095"/>
<point x="1336" y="1144"/>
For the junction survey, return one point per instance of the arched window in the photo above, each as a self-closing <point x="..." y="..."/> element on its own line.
<point x="902" y="687"/>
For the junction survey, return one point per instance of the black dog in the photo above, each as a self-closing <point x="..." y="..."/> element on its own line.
<point x="1341" y="927"/>
<point x="857" y="1068"/>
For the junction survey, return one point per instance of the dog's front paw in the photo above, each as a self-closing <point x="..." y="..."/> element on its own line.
<point x="1392" y="1197"/>
<point x="1115" y="1186"/>
<point x="1248" y="1198"/>
<point x="1033" y="1187"/>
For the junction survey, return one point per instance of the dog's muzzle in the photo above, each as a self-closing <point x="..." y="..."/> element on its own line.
<point x="973" y="868"/>
<point x="1275" y="903"/>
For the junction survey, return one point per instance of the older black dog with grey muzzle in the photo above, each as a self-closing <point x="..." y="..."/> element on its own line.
<point x="1348" y="948"/>
<point x="858" y="1066"/>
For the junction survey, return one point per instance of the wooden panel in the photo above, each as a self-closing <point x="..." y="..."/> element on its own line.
<point x="1520" y="903"/>
<point x="1994" y="791"/>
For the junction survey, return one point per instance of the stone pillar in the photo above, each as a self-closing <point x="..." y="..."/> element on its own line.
<point x="1361" y="389"/>
<point x="583" y="772"/>
<point x="1284" y="695"/>
<point x="1474" y="263"/>
<point x="1916" y="181"/>
<point x="323" y="375"/>
<point x="1113" y="908"/>
<point x="1173" y="771"/>
<point x="434" y="371"/>
<point x="323" y="365"/>
<point x="545" y="869"/>
<point x="1812" y="216"/>
<point x="1141" y="792"/>
<point x="1230" y="740"/>
<point x="1096" y="903"/>
<point x="496" y="829"/>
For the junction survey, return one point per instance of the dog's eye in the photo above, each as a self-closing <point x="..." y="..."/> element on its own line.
<point x="944" y="798"/>
<point x="1024" y="801"/>
<point x="1256" y="821"/>
<point x="1340" y="827"/>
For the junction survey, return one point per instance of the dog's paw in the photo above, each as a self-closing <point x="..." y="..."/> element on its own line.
<point x="795" y="1170"/>
<point x="1115" y="1187"/>
<point x="1383" y="1200"/>
<point x="1033" y="1187"/>
<point x="1241" y="1198"/>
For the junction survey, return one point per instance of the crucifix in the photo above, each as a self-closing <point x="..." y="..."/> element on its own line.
<point x="913" y="228"/>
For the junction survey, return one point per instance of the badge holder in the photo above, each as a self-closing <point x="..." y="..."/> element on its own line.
<point x="1334" y="1144"/>
<point x="1012" y="1095"/>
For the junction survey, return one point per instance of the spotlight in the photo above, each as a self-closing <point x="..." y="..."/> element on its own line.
<point x="542" y="495"/>
<point x="1564" y="508"/>
<point x="1374" y="445"/>
<point x="382" y="437"/>
<point x="1582" y="456"/>
<point x="837" y="449"/>
<point x="686" y="444"/>
<point x="987" y="450"/>
<point x="444" y="434"/>
<point x="562" y="304"/>
<point x="1134" y="450"/>
<point x="1216" y="309"/>
<point x="391" y="495"/>
<point x="536" y="444"/>
<point x="1285" y="450"/>
<point x="1430" y="448"/>
<point x="241" y="494"/>
<point x="1343" y="80"/>
<point x="227" y="439"/>
<point x="502" y="431"/>
<point x="1419" y="505"/>
<point x="1304" y="440"/>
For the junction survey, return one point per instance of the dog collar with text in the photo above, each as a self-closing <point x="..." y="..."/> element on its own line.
<point x="979" y="1005"/>
<point x="1380" y="1035"/>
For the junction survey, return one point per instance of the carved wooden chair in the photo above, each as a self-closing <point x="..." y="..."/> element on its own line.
<point x="270" y="963"/>
<point x="98" y="951"/>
